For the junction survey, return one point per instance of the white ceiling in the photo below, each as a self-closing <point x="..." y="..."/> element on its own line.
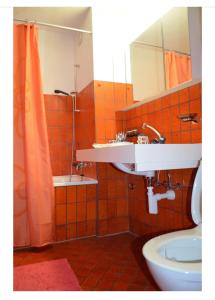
<point x="64" y="16"/>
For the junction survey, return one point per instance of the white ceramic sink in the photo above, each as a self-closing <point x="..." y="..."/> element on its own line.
<point x="146" y="157"/>
<point x="112" y="144"/>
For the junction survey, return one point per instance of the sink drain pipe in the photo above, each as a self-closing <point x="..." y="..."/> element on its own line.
<point x="154" y="198"/>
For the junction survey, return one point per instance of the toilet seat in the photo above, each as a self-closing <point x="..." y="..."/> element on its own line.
<point x="185" y="244"/>
<point x="174" y="259"/>
<point x="196" y="198"/>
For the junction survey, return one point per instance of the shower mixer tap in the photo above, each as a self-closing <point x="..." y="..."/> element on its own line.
<point x="80" y="165"/>
<point x="73" y="94"/>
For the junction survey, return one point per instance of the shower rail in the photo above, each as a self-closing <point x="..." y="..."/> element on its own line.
<point x="53" y="25"/>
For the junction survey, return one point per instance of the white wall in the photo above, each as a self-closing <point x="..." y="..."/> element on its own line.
<point x="176" y="30"/>
<point x="84" y="60"/>
<point x="60" y="51"/>
<point x="103" y="43"/>
<point x="195" y="29"/>
<point x="147" y="71"/>
<point x="84" y="54"/>
<point x="110" y="43"/>
<point x="114" y="29"/>
<point x="57" y="60"/>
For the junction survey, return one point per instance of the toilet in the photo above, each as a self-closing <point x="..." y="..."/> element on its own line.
<point x="175" y="259"/>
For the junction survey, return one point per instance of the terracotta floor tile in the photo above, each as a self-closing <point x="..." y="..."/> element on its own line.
<point x="104" y="285"/>
<point x="82" y="271"/>
<point x="120" y="286"/>
<point x="81" y="280"/>
<point x="111" y="276"/>
<point x="113" y="263"/>
<point x="90" y="281"/>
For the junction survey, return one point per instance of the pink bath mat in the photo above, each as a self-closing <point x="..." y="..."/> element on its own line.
<point x="53" y="275"/>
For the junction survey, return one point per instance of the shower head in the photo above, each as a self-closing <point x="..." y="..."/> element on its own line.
<point x="61" y="92"/>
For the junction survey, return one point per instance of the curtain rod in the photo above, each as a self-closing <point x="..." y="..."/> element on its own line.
<point x="52" y="25"/>
<point x="146" y="44"/>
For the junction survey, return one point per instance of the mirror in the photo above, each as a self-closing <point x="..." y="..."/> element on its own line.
<point x="160" y="56"/>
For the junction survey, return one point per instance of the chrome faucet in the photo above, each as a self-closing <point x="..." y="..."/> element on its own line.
<point x="80" y="165"/>
<point x="160" y="140"/>
<point x="120" y="137"/>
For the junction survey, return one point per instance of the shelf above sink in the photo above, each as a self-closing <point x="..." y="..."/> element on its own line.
<point x="146" y="157"/>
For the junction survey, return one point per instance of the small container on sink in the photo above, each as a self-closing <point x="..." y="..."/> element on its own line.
<point x="142" y="139"/>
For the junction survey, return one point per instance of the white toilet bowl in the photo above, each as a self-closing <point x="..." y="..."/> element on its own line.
<point x="175" y="259"/>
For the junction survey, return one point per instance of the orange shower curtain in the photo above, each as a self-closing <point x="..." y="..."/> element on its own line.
<point x="178" y="68"/>
<point x="33" y="188"/>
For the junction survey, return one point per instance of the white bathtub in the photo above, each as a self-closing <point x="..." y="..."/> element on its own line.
<point x="67" y="180"/>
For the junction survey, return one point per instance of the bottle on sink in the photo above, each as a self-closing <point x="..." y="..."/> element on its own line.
<point x="142" y="139"/>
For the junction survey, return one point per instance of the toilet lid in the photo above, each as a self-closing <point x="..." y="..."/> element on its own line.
<point x="196" y="201"/>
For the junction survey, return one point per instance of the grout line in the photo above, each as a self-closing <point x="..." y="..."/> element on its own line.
<point x="76" y="209"/>
<point x="86" y="220"/>
<point x="97" y="202"/>
<point x="66" y="214"/>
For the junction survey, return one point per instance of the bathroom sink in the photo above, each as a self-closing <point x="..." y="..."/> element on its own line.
<point x="146" y="157"/>
<point x="111" y="144"/>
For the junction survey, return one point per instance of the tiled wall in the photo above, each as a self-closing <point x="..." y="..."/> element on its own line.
<point x="109" y="98"/>
<point x="112" y="184"/>
<point x="163" y="114"/>
<point x="119" y="208"/>
<point x="85" y="125"/>
<point x="75" y="211"/>
<point x="112" y="200"/>
<point x="75" y="207"/>
<point x="59" y="123"/>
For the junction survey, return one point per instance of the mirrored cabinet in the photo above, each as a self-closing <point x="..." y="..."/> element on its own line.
<point x="161" y="56"/>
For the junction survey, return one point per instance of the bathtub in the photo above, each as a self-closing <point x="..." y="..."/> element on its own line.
<point x="67" y="180"/>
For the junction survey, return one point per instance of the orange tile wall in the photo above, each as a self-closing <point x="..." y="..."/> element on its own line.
<point x="118" y="207"/>
<point x="96" y="122"/>
<point x="162" y="113"/>
<point x="109" y="98"/>
<point x="75" y="211"/>
<point x="75" y="207"/>
<point x="112" y="200"/>
<point x="112" y="184"/>
<point x="59" y="124"/>
<point x="85" y="125"/>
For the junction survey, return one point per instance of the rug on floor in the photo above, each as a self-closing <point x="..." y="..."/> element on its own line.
<point x="53" y="275"/>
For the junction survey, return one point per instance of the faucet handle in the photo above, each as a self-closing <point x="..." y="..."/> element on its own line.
<point x="162" y="139"/>
<point x="120" y="137"/>
<point x="155" y="141"/>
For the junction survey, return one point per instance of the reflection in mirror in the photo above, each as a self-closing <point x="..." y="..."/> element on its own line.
<point x="160" y="56"/>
